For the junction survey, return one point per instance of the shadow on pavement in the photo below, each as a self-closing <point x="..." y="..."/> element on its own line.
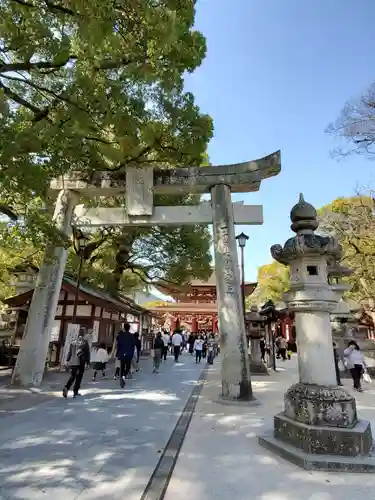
<point x="95" y="447"/>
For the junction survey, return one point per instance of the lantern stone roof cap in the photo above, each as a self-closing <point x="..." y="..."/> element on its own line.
<point x="253" y="316"/>
<point x="303" y="216"/>
<point x="306" y="243"/>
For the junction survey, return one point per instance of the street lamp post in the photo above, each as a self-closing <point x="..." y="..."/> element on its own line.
<point x="79" y="245"/>
<point x="242" y="239"/>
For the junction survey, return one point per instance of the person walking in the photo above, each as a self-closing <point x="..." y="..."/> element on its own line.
<point x="282" y="347"/>
<point x="137" y="352"/>
<point x="166" y="340"/>
<point x="211" y="347"/>
<point x="158" y="348"/>
<point x="355" y="362"/>
<point x="262" y="344"/>
<point x="176" y="343"/>
<point x="125" y="345"/>
<point x="198" y="348"/>
<point x="77" y="359"/>
<point x="100" y="361"/>
<point x="191" y="341"/>
<point x="204" y="349"/>
<point x="336" y="359"/>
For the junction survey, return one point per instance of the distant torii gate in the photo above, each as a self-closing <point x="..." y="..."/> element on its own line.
<point x="138" y="186"/>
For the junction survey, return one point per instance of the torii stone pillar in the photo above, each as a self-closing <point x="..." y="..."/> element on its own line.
<point x="235" y="371"/>
<point x="31" y="359"/>
<point x="138" y="186"/>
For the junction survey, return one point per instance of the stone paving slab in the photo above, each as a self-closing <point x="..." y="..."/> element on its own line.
<point x="104" y="445"/>
<point x="221" y="457"/>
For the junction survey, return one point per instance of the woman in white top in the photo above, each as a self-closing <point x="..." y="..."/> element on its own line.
<point x="355" y="362"/>
<point x="198" y="347"/>
<point x="101" y="358"/>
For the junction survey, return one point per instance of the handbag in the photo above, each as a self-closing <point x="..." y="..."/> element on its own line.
<point x="367" y="378"/>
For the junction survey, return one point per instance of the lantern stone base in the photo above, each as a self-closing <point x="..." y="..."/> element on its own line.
<point x="320" y="405"/>
<point x="324" y="440"/>
<point x="321" y="462"/>
<point x="258" y="367"/>
<point x="319" y="430"/>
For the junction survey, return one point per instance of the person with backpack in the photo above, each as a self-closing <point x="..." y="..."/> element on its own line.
<point x="78" y="358"/>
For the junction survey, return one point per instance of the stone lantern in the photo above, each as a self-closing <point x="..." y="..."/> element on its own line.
<point x="319" y="427"/>
<point x="255" y="331"/>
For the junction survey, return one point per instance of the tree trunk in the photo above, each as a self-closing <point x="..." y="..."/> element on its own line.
<point x="124" y="246"/>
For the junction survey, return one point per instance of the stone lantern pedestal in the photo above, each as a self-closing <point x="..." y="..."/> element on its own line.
<point x="319" y="427"/>
<point x="255" y="331"/>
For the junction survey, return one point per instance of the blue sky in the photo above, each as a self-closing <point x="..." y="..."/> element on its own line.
<point x="276" y="73"/>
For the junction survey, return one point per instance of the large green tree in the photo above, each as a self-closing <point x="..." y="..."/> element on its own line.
<point x="273" y="282"/>
<point x="98" y="85"/>
<point x="352" y="221"/>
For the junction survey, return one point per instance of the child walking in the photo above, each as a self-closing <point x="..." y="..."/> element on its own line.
<point x="101" y="358"/>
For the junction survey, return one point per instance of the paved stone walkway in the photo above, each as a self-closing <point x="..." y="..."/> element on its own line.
<point x="102" y="446"/>
<point x="221" y="457"/>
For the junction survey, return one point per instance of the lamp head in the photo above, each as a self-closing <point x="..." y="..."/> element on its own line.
<point x="242" y="239"/>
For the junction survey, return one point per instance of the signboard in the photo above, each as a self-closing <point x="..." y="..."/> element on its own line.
<point x="95" y="332"/>
<point x="55" y="333"/>
<point x="71" y="334"/>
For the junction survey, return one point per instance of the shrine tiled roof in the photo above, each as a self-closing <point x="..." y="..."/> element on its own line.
<point x="210" y="282"/>
<point x="98" y="296"/>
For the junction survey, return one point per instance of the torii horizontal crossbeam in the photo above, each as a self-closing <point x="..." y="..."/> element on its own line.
<point x="241" y="177"/>
<point x="166" y="216"/>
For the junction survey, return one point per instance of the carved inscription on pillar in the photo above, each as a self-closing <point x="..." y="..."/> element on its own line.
<point x="228" y="275"/>
<point x="139" y="190"/>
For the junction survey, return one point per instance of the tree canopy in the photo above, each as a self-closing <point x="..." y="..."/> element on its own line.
<point x="273" y="282"/>
<point x="99" y="85"/>
<point x="352" y="221"/>
<point x="355" y="126"/>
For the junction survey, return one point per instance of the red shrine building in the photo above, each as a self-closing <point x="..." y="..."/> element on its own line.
<point x="194" y="307"/>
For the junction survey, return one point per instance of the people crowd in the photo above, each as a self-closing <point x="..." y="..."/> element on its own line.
<point x="127" y="350"/>
<point x="203" y="345"/>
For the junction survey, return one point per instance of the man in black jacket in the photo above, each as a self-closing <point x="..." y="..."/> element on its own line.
<point x="78" y="357"/>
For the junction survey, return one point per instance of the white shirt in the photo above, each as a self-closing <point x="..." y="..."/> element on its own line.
<point x="177" y="339"/>
<point x="101" y="356"/>
<point x="354" y="357"/>
<point x="282" y="343"/>
<point x="198" y="345"/>
<point x="166" y="339"/>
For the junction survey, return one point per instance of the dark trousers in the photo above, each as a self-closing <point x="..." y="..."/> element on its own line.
<point x="165" y="352"/>
<point x="356" y="373"/>
<point x="337" y="370"/>
<point x="176" y="352"/>
<point x="96" y="371"/>
<point x="126" y="364"/>
<point x="282" y="353"/>
<point x="76" y="374"/>
<point x="198" y="356"/>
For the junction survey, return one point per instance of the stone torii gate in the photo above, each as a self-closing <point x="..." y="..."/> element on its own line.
<point x="138" y="186"/>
